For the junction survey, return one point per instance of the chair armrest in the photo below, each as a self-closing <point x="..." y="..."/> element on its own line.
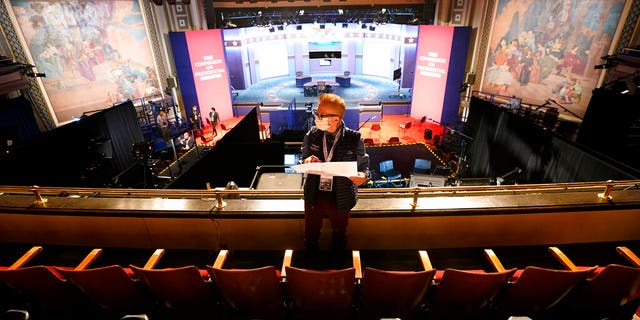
<point x="356" y="264"/>
<point x="222" y="257"/>
<point x="493" y="259"/>
<point x="89" y="259"/>
<point x="286" y="262"/>
<point x="26" y="257"/>
<point x="563" y="259"/>
<point x="154" y="259"/>
<point x="424" y="258"/>
<point x="629" y="255"/>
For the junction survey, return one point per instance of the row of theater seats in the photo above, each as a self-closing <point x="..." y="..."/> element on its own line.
<point x="289" y="292"/>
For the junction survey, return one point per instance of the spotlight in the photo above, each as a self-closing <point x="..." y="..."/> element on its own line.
<point x="322" y="26"/>
<point x="364" y="26"/>
<point x="280" y="28"/>
<point x="272" y="29"/>
<point x="298" y="27"/>
<point x="345" y="25"/>
<point x="372" y="28"/>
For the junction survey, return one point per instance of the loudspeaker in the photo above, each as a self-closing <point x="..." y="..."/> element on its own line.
<point x="428" y="134"/>
<point x="550" y="118"/>
<point x="171" y="82"/>
<point x="471" y="78"/>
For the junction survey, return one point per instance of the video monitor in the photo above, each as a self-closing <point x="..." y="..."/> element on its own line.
<point x="291" y="159"/>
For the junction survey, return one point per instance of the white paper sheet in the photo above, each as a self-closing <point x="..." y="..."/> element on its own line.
<point x="342" y="169"/>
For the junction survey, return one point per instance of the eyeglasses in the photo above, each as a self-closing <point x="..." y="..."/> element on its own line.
<point x="323" y="115"/>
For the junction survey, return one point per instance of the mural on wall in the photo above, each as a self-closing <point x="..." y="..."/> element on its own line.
<point x="547" y="49"/>
<point x="94" y="53"/>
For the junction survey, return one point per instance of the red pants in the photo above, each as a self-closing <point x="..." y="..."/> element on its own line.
<point x="313" y="215"/>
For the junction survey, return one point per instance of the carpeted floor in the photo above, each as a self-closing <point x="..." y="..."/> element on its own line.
<point x="363" y="89"/>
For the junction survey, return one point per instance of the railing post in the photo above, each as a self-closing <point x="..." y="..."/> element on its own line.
<point x="607" y="191"/>
<point x="414" y="203"/>
<point x="39" y="201"/>
<point x="221" y="204"/>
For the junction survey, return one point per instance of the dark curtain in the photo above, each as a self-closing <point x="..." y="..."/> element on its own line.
<point x="235" y="157"/>
<point x="17" y="121"/>
<point x="124" y="131"/>
<point x="503" y="141"/>
<point x="88" y="152"/>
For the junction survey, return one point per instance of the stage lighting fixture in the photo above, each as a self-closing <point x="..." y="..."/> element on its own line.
<point x="372" y="28"/>
<point x="322" y="26"/>
<point x="280" y="28"/>
<point x="345" y="25"/>
<point x="364" y="26"/>
<point x="298" y="27"/>
<point x="272" y="29"/>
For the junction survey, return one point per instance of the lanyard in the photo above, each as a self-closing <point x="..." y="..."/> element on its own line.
<point x="328" y="156"/>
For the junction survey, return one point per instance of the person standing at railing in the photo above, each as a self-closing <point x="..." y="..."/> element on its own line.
<point x="331" y="196"/>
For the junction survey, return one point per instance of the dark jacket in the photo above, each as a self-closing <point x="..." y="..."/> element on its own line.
<point x="348" y="148"/>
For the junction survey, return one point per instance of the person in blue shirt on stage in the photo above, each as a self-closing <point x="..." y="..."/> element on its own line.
<point x="326" y="196"/>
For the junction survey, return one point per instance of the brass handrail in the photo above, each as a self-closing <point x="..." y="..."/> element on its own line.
<point x="600" y="186"/>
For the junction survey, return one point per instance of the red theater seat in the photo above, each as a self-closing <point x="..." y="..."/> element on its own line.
<point x="320" y="294"/>
<point x="114" y="288"/>
<point x="47" y="291"/>
<point x="391" y="294"/>
<point x="533" y="291"/>
<point x="249" y="293"/>
<point x="183" y="292"/>
<point x="612" y="291"/>
<point x="463" y="294"/>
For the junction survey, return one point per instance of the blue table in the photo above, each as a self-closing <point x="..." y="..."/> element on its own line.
<point x="301" y="80"/>
<point x="344" y="81"/>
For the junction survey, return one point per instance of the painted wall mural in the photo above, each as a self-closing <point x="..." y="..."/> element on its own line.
<point x="94" y="53"/>
<point x="547" y="49"/>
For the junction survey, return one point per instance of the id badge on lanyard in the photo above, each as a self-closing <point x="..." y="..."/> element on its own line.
<point x="326" y="182"/>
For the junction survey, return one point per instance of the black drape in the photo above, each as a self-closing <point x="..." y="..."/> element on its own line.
<point x="17" y="121"/>
<point x="503" y="141"/>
